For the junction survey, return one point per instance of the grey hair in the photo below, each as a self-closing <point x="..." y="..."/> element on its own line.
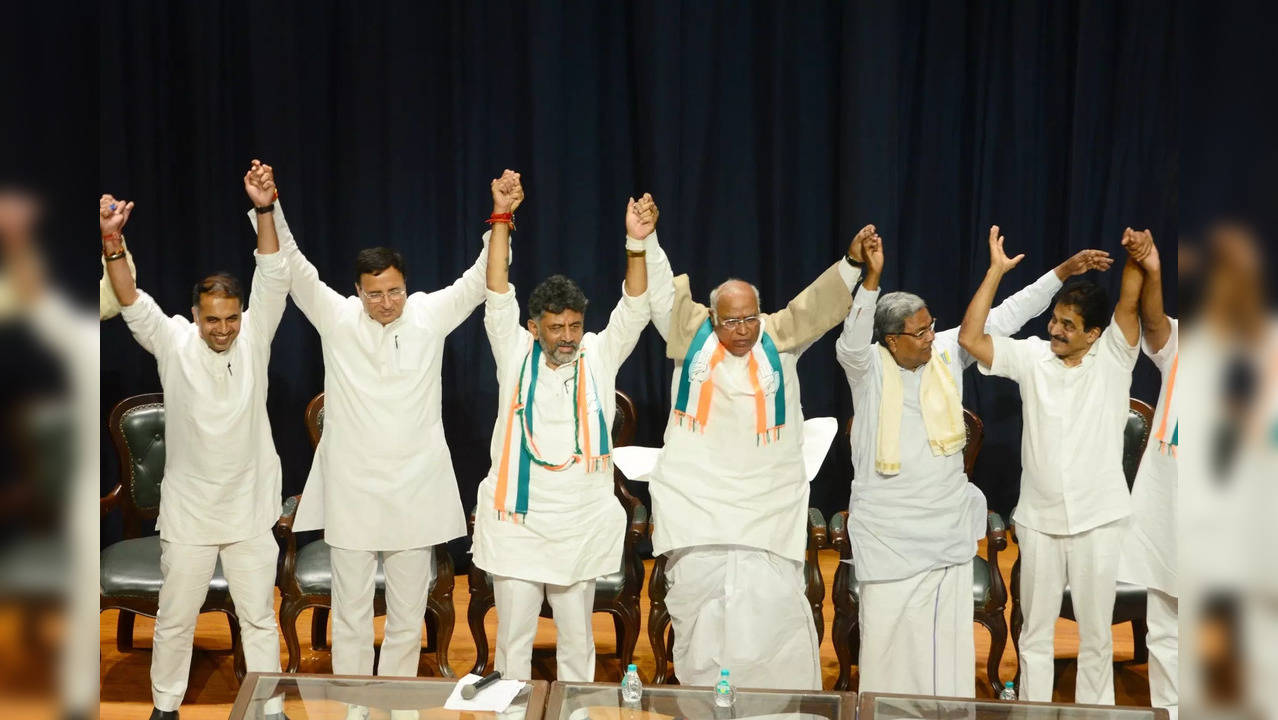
<point x="714" y="296"/>
<point x="892" y="310"/>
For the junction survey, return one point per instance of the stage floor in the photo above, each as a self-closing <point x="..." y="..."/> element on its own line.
<point x="126" y="693"/>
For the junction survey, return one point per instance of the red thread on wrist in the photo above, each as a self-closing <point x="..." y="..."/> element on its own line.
<point x="112" y="236"/>
<point x="508" y="218"/>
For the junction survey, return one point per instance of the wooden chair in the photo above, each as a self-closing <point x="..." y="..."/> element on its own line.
<point x="130" y="568"/>
<point x="616" y="593"/>
<point x="989" y="594"/>
<point x="306" y="581"/>
<point x="1129" y="598"/>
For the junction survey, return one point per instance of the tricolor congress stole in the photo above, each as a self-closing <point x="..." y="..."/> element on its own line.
<point x="692" y="401"/>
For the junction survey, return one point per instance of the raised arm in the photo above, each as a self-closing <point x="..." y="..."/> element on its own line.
<point x="317" y="301"/>
<point x="661" y="288"/>
<point x="1154" y="322"/>
<point x="972" y="333"/>
<point x="1127" y="310"/>
<point x="112" y="215"/>
<point x="507" y="194"/>
<point x="271" y="278"/>
<point x="823" y="304"/>
<point x="641" y="221"/>
<point x="853" y="348"/>
<point x="632" y="312"/>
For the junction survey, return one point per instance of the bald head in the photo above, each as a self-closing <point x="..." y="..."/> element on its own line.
<point x="734" y="306"/>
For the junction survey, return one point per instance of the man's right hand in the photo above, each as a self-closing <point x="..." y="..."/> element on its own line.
<point x="858" y="242"/>
<point x="112" y="215"/>
<point x="259" y="184"/>
<point x="508" y="192"/>
<point x="641" y="217"/>
<point x="999" y="261"/>
<point x="1140" y="245"/>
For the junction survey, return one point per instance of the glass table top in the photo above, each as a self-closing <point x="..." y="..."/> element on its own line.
<point x="602" y="701"/>
<point x="325" y="697"/>
<point x="875" y="706"/>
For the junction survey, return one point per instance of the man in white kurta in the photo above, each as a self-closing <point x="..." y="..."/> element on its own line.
<point x="221" y="472"/>
<point x="729" y="493"/>
<point x="914" y="523"/>
<point x="547" y="522"/>
<point x="1071" y="515"/>
<point x="1150" y="556"/>
<point x="382" y="481"/>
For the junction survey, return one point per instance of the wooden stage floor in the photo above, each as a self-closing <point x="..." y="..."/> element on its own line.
<point x="126" y="694"/>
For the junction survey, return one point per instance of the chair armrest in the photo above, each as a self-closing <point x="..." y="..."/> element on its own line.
<point x="639" y="522"/>
<point x="470" y="520"/>
<point x="288" y="513"/>
<point x="113" y="498"/>
<point x="995" y="531"/>
<point x="838" y="534"/>
<point x="816" y="529"/>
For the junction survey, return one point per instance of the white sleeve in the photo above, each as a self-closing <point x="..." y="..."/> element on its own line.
<point x="501" y="322"/>
<point x="1163" y="357"/>
<point x="1011" y="358"/>
<point x="660" y="285"/>
<point x="1114" y="346"/>
<point x="1011" y="315"/>
<point x="853" y="349"/>
<point x="449" y="306"/>
<point x="268" y="297"/>
<point x="628" y="319"/>
<point x="317" y="301"/>
<point x="156" y="333"/>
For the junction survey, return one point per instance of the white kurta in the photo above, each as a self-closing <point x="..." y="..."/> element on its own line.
<point x="1149" y="559"/>
<point x="221" y="473"/>
<point x="928" y="516"/>
<point x="1072" y="438"/>
<point x="382" y="477"/>
<point x="575" y="527"/>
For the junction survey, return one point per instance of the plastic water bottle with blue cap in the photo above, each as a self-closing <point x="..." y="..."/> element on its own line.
<point x="1008" y="692"/>
<point x="631" y="685"/>
<point x="724" y="695"/>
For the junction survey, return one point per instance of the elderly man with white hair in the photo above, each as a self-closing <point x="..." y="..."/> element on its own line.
<point x="913" y="518"/>
<point x="729" y="493"/>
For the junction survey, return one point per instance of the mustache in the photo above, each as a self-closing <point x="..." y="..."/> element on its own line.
<point x="1059" y="339"/>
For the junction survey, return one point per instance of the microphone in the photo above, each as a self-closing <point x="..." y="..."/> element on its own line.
<point x="468" y="691"/>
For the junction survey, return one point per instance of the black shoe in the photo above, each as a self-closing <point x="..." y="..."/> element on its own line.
<point x="158" y="714"/>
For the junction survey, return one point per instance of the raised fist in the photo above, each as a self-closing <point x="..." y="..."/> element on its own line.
<point x="641" y="217"/>
<point x="259" y="184"/>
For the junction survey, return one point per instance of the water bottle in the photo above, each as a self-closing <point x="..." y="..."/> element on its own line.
<point x="1008" y="692"/>
<point x="631" y="685"/>
<point x="724" y="695"/>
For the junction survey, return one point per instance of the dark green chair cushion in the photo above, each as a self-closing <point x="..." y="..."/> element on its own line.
<point x="143" y="429"/>
<point x="980" y="581"/>
<point x="132" y="568"/>
<point x="1135" y="435"/>
<point x="1129" y="602"/>
<point x="315" y="570"/>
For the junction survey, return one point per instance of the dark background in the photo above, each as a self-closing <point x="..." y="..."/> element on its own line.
<point x="768" y="134"/>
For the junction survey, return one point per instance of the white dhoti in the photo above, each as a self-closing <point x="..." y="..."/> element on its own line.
<point x="744" y="610"/>
<point x="518" y="606"/>
<point x="409" y="574"/>
<point x="1088" y="563"/>
<point x="916" y="634"/>
<point x="249" y="567"/>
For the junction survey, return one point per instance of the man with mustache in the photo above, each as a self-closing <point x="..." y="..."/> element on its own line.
<point x="382" y="483"/>
<point x="1072" y="513"/>
<point x="913" y="518"/>
<point x="729" y="494"/>
<point x="221" y="472"/>
<point x="547" y="523"/>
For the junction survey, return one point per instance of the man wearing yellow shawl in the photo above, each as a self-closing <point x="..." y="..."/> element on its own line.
<point x="913" y="518"/>
<point x="729" y="493"/>
<point x="547" y="523"/>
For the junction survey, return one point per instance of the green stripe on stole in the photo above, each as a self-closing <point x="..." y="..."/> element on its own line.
<point x="525" y="459"/>
<point x="774" y="359"/>
<point x="685" y="383"/>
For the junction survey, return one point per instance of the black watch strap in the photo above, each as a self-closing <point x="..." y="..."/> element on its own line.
<point x="268" y="208"/>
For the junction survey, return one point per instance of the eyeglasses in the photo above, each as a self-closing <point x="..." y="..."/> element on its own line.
<point x="749" y="321"/>
<point x="921" y="332"/>
<point x="377" y="295"/>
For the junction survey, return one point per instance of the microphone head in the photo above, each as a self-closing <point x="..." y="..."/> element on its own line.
<point x="468" y="692"/>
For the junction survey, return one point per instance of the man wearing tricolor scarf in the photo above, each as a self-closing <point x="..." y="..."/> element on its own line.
<point x="547" y="523"/>
<point x="913" y="518"/>
<point x="1150" y="558"/>
<point x="1071" y="516"/>
<point x="729" y="493"/>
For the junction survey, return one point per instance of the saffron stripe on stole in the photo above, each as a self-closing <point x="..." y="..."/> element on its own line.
<point x="760" y="408"/>
<point x="707" y="388"/>
<point x="1161" y="435"/>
